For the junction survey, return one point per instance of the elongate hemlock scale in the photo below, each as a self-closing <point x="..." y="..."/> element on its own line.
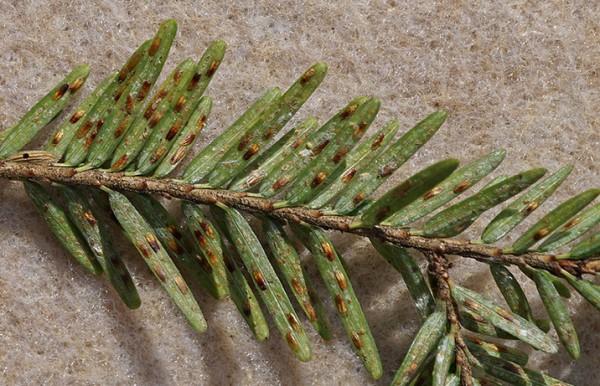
<point x="43" y="112"/>
<point x="207" y="241"/>
<point x="265" y="279"/>
<point x="142" y="236"/>
<point x="130" y="102"/>
<point x="151" y="119"/>
<point x="85" y="215"/>
<point x="241" y="292"/>
<point x="269" y="123"/>
<point x="286" y="259"/>
<point x="97" y="117"/>
<point x="303" y="153"/>
<point x="62" y="228"/>
<point x="338" y="283"/>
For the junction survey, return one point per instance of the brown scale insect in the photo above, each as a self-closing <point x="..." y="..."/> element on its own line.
<point x="188" y="140"/>
<point x="213" y="68"/>
<point x="513" y="368"/>
<point x="357" y="341"/>
<point x="358" y="198"/>
<point x="208" y="230"/>
<point x="341" y="305"/>
<point x="121" y="128"/>
<point x="341" y="280"/>
<point x="477" y="318"/>
<point x="183" y="288"/>
<point x="246" y="309"/>
<point x="328" y="251"/>
<point x="76" y="116"/>
<point x="123" y="73"/>
<point x="348" y="176"/>
<point x="259" y="279"/>
<point x="60" y="92"/>
<point x="254" y="148"/>
<point x="155" y="118"/>
<point x="163" y="92"/>
<point x="340" y="155"/>
<point x="293" y="322"/>
<point x="297" y="287"/>
<point x="90" y="139"/>
<point x="200" y="237"/>
<point x="201" y="122"/>
<point x="461" y="187"/>
<point x="378" y="141"/>
<point x="89" y="217"/>
<point x="144" y="90"/>
<point x="432" y="193"/>
<point x="158" y="154"/>
<point x="531" y="206"/>
<point x="253" y="180"/>
<point x="76" y="85"/>
<point x="120" y="162"/>
<point x="360" y="129"/>
<point x="174" y="231"/>
<point x="149" y="111"/>
<point x="194" y="81"/>
<point x="153" y="242"/>
<point x="244" y="141"/>
<point x="177" y="77"/>
<point x="541" y="234"/>
<point x="118" y="95"/>
<point x="212" y="257"/>
<point x="412" y="368"/>
<point x="160" y="274"/>
<point x="84" y="129"/>
<point x="180" y="104"/>
<point x="297" y="143"/>
<point x="173" y="131"/>
<point x="403" y="189"/>
<point x="349" y="111"/>
<point x="154" y="46"/>
<point x="319" y="178"/>
<point x="178" y="156"/>
<point x="475" y="340"/>
<point x="387" y="170"/>
<point x="572" y="223"/>
<point x="129" y="104"/>
<point x="269" y="133"/>
<point x="471" y="305"/>
<point x="175" y="247"/>
<point x="317" y="150"/>
<point x="307" y="75"/>
<point x="280" y="183"/>
<point x="57" y="137"/>
<point x="310" y="311"/>
<point x="292" y="342"/>
<point x="130" y="65"/>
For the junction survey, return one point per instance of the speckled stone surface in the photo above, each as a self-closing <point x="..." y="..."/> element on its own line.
<point x="517" y="75"/>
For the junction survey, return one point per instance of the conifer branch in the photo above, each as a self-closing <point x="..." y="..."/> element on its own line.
<point x="315" y="177"/>
<point x="15" y="170"/>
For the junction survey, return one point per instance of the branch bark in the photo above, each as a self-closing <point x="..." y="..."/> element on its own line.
<point x="438" y="269"/>
<point x="44" y="172"/>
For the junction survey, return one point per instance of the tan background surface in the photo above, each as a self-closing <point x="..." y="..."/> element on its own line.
<point x="513" y="74"/>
